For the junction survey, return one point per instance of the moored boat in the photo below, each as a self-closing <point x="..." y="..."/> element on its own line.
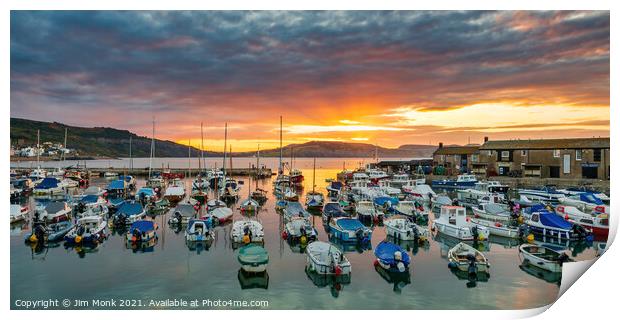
<point x="391" y="257"/>
<point x="401" y="228"/>
<point x="325" y="258"/>
<point x="461" y="181"/>
<point x="300" y="229"/>
<point x="199" y="230"/>
<point x="142" y="231"/>
<point x="465" y="258"/>
<point x="497" y="228"/>
<point x="543" y="257"/>
<point x="128" y="213"/>
<point x="453" y="222"/>
<point x="350" y="230"/>
<point x="253" y="258"/>
<point x="247" y="231"/>
<point x="88" y="230"/>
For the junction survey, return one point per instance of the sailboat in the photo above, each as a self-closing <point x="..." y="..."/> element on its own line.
<point x="227" y="186"/>
<point x="154" y="182"/>
<point x="282" y="181"/>
<point x="296" y="177"/>
<point x="258" y="194"/>
<point x="200" y="184"/>
<point x="217" y="208"/>
<point x="249" y="204"/>
<point x="38" y="173"/>
<point x="314" y="199"/>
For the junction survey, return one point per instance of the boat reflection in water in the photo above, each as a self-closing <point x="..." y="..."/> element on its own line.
<point x="410" y="245"/>
<point x="446" y="243"/>
<point x="472" y="279"/>
<point x="253" y="280"/>
<point x="575" y="247"/>
<point x="142" y="246"/>
<point x="84" y="249"/>
<point x="345" y="246"/>
<point x="398" y="279"/>
<point x="507" y="243"/>
<point x="551" y="277"/>
<point x="200" y="246"/>
<point x="335" y="283"/>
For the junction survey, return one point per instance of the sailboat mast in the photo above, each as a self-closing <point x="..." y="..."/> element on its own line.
<point x="230" y="159"/>
<point x="313" y="174"/>
<point x="225" y="141"/>
<point x="280" y="169"/>
<point x="64" y="146"/>
<point x="130" y="157"/>
<point x="202" y="148"/>
<point x="38" y="147"/>
<point x="189" y="158"/>
<point x="257" y="161"/>
<point x="152" y="149"/>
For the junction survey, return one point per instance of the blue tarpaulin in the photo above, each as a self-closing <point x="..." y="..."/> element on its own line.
<point x="116" y="185"/>
<point x="553" y="220"/>
<point x="333" y="210"/>
<point x="349" y="224"/>
<point x="142" y="226"/>
<point x="47" y="183"/>
<point x="294" y="209"/>
<point x="590" y="198"/>
<point x="148" y="192"/>
<point x="385" y="252"/>
<point x="382" y="200"/>
<point x="129" y="209"/>
<point x="91" y="198"/>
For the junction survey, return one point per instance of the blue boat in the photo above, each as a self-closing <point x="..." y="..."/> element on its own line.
<point x="385" y="202"/>
<point x="128" y="213"/>
<point x="350" y="230"/>
<point x="117" y="187"/>
<point x="545" y="193"/>
<point x="143" y="230"/>
<point x="392" y="257"/>
<point x="52" y="232"/>
<point x="145" y="193"/>
<point x="549" y="224"/>
<point x="334" y="188"/>
<point x="462" y="181"/>
<point x="332" y="210"/>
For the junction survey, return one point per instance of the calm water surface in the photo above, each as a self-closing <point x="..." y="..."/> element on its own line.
<point x="171" y="270"/>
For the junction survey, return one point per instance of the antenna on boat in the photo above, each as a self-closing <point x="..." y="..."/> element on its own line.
<point x="313" y="174"/>
<point x="224" y="161"/>
<point x="202" y="148"/>
<point x="189" y="158"/>
<point x="64" y="147"/>
<point x="280" y="169"/>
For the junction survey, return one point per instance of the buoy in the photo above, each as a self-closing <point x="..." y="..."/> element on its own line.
<point x="566" y="217"/>
<point x="497" y="224"/>
<point x="480" y="237"/>
<point x="33" y="238"/>
<point x="284" y="235"/>
<point x="303" y="239"/>
<point x="338" y="270"/>
<point x="78" y="239"/>
<point x="246" y="239"/>
<point x="520" y="219"/>
<point x="530" y="237"/>
<point x="133" y="239"/>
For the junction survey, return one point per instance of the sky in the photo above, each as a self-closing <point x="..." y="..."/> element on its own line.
<point x="386" y="78"/>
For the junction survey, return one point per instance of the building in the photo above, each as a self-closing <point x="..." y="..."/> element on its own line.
<point x="586" y="158"/>
<point x="456" y="159"/>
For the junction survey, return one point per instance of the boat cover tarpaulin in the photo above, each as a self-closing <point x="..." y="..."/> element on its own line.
<point x="130" y="209"/>
<point x="142" y="226"/>
<point x="294" y="209"/>
<point x="91" y="198"/>
<point x="55" y="206"/>
<point x="148" y="192"/>
<point x="47" y="183"/>
<point x="253" y="254"/>
<point x="116" y="185"/>
<point x="185" y="210"/>
<point x="382" y="200"/>
<point x="333" y="210"/>
<point x="336" y="185"/>
<point x="385" y="252"/>
<point x="349" y="224"/>
<point x="553" y="220"/>
<point x="590" y="198"/>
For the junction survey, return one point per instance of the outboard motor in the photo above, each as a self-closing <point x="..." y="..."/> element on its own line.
<point x="416" y="233"/>
<point x="474" y="233"/>
<point x="472" y="270"/>
<point x="563" y="258"/>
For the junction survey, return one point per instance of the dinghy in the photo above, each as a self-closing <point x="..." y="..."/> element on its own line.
<point x="199" y="230"/>
<point x="401" y="228"/>
<point x="325" y="258"/>
<point x="253" y="258"/>
<point x="543" y="257"/>
<point x="247" y="231"/>
<point x="465" y="258"/>
<point x="182" y="213"/>
<point x="128" y="213"/>
<point x="300" y="229"/>
<point x="350" y="230"/>
<point x="453" y="222"/>
<point x="88" y="230"/>
<point x="392" y="257"/>
<point x="142" y="231"/>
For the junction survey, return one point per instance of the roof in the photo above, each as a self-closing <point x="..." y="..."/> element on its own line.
<point x="457" y="150"/>
<point x="576" y="143"/>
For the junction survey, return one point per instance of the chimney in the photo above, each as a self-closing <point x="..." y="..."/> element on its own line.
<point x="441" y="145"/>
<point x="486" y="139"/>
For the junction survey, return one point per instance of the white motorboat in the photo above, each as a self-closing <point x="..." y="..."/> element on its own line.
<point x="401" y="228"/>
<point x="325" y="258"/>
<point x="492" y="211"/>
<point x="18" y="213"/>
<point x="497" y="228"/>
<point x="481" y="191"/>
<point x="465" y="258"/>
<point x="48" y="187"/>
<point x="299" y="228"/>
<point x="176" y="191"/>
<point x="420" y="192"/>
<point x="543" y="257"/>
<point x="546" y="194"/>
<point x="366" y="211"/>
<point x="247" y="231"/>
<point x="183" y="212"/>
<point x="54" y="212"/>
<point x="453" y="222"/>
<point x="586" y="202"/>
<point x="198" y="230"/>
<point x="249" y="205"/>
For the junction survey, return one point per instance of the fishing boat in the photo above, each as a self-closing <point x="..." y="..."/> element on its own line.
<point x="42" y="232"/>
<point x="492" y="211"/>
<point x="259" y="195"/>
<point x="419" y="192"/>
<point x="543" y="257"/>
<point x="214" y="177"/>
<point x="314" y="200"/>
<point x="598" y="225"/>
<point x="497" y="228"/>
<point x="384" y="203"/>
<point x="37" y="174"/>
<point x="401" y="228"/>
<point x="199" y="230"/>
<point x="325" y="258"/>
<point x="586" y="202"/>
<point x="48" y="187"/>
<point x="367" y="212"/>
<point x="23" y="185"/>
<point x="465" y="258"/>
<point x="462" y="181"/>
<point x="249" y="205"/>
<point x="142" y="231"/>
<point x="117" y="188"/>
<point x="546" y="194"/>
<point x="176" y="191"/>
<point x="332" y="210"/>
<point x="14" y="192"/>
<point x="439" y="202"/>
<point x="549" y="224"/>
<point x="290" y="195"/>
<point x="392" y="257"/>
<point x="253" y="258"/>
<point x="405" y="208"/>
<point x="334" y="188"/>
<point x="18" y="212"/>
<point x="296" y="177"/>
<point x="350" y="230"/>
<point x="293" y="210"/>
<point x="582" y="189"/>
<point x="376" y="174"/>
<point x="91" y="206"/>
<point x="247" y="231"/>
<point x="88" y="230"/>
<point x="453" y="222"/>
<point x="146" y="194"/>
<point x="54" y="212"/>
<point x="230" y="190"/>
<point x="183" y="212"/>
<point x="300" y="229"/>
<point x="128" y="213"/>
<point x="156" y="182"/>
<point x="481" y="193"/>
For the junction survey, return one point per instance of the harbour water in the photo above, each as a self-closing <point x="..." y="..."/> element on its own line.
<point x="170" y="269"/>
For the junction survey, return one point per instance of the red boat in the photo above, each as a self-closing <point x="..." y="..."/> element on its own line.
<point x="599" y="226"/>
<point x="296" y="177"/>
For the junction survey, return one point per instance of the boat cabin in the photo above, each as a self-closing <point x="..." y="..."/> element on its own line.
<point x="466" y="178"/>
<point x="455" y="215"/>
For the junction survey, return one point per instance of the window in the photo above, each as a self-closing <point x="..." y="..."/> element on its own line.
<point x="556" y="153"/>
<point x="535" y="218"/>
<point x="578" y="155"/>
<point x="597" y="155"/>
<point x="442" y="158"/>
<point x="474" y="158"/>
<point x="524" y="153"/>
<point x="505" y="154"/>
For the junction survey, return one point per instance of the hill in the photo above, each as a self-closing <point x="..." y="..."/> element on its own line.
<point x="110" y="142"/>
